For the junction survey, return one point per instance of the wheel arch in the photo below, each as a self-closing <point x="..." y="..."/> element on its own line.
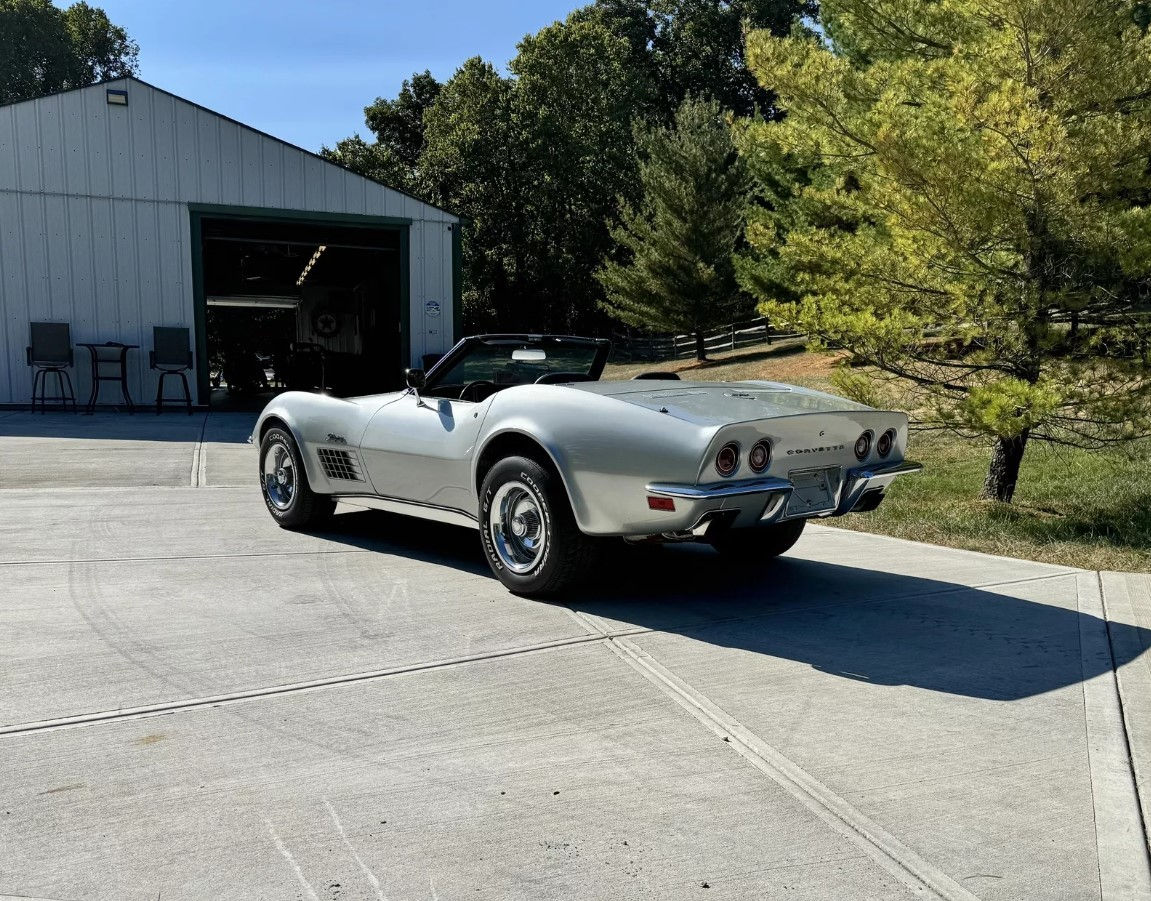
<point x="276" y="420"/>
<point x="517" y="443"/>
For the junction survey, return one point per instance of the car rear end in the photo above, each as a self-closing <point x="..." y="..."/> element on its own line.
<point x="800" y="466"/>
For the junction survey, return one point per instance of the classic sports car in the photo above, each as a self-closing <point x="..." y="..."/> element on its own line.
<point x="514" y="435"/>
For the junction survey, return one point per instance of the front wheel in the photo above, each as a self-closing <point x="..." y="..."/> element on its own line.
<point x="529" y="533"/>
<point x="759" y="541"/>
<point x="284" y="483"/>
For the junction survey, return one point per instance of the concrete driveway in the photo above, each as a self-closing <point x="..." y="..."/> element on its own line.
<point x="196" y="704"/>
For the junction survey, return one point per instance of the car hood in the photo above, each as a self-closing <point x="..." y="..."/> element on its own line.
<point x="719" y="403"/>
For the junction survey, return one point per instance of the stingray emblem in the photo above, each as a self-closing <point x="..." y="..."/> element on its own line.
<point x="336" y="439"/>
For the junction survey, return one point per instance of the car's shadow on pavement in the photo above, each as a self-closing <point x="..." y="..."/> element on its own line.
<point x="406" y="536"/>
<point x="879" y="627"/>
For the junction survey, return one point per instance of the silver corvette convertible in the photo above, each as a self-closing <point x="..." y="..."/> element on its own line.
<point x="516" y="436"/>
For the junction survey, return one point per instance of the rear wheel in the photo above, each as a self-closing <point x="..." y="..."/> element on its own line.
<point x="529" y="533"/>
<point x="753" y="543"/>
<point x="284" y="483"/>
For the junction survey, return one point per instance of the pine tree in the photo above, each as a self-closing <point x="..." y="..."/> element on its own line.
<point x="974" y="211"/>
<point x="673" y="267"/>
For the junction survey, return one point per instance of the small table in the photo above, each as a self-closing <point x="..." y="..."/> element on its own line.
<point x="110" y="353"/>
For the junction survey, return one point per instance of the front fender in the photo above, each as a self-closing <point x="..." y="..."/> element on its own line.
<point x="318" y="420"/>
<point x="274" y="414"/>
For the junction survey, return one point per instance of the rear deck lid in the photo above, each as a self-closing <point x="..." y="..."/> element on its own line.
<point x="719" y="403"/>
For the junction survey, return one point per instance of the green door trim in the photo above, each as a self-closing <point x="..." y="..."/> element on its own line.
<point x="200" y="211"/>
<point x="200" y="315"/>
<point x="405" y="298"/>
<point x="225" y="211"/>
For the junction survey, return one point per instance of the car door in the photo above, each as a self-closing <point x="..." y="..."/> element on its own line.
<point x="421" y="449"/>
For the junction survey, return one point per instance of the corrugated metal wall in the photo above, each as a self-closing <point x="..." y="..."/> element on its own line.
<point x="95" y="223"/>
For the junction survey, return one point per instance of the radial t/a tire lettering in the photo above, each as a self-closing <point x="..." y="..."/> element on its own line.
<point x="529" y="533"/>
<point x="284" y="483"/>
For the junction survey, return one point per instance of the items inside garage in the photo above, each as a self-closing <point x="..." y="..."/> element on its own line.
<point x="298" y="306"/>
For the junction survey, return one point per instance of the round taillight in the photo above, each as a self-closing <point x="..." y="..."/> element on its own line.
<point x="885" y="443"/>
<point x="727" y="459"/>
<point x="863" y="445"/>
<point x="759" y="456"/>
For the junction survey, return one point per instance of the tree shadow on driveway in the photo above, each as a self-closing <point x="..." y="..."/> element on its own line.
<point x="1007" y="643"/>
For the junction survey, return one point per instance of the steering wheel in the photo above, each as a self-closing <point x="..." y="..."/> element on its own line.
<point x="478" y="383"/>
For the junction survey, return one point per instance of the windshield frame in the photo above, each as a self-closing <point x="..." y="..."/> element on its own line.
<point x="433" y="379"/>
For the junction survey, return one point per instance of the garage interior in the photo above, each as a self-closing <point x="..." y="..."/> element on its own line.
<point x="300" y="306"/>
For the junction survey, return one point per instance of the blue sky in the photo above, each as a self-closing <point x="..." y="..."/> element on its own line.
<point x="303" y="71"/>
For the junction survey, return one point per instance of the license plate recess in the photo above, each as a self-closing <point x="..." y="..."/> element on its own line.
<point x="813" y="491"/>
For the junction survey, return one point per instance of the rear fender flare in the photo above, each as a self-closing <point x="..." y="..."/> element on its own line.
<point x="554" y="453"/>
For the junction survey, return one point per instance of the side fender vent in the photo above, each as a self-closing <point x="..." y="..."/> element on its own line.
<point x="340" y="465"/>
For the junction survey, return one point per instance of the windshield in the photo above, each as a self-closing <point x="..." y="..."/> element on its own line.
<point x="502" y="362"/>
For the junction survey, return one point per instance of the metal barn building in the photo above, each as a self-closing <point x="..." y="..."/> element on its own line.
<point x="124" y="207"/>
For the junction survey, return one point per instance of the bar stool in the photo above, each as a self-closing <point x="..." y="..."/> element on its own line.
<point x="170" y="356"/>
<point x="50" y="352"/>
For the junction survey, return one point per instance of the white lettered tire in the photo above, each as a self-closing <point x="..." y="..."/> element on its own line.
<point x="284" y="483"/>
<point x="529" y="534"/>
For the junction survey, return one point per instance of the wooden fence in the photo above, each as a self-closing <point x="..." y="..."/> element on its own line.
<point x="634" y="346"/>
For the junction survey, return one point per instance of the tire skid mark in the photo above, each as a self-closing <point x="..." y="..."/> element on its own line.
<point x="85" y="596"/>
<point x="99" y="522"/>
<point x="594" y="627"/>
<point x="887" y="851"/>
<point x="287" y="728"/>
<point x="158" y="558"/>
<point x="347" y="605"/>
<point x="238" y="697"/>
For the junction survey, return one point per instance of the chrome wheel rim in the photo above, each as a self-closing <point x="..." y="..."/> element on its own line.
<point x="279" y="476"/>
<point x="516" y="525"/>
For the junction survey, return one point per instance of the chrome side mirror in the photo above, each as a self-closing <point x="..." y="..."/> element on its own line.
<point x="415" y="381"/>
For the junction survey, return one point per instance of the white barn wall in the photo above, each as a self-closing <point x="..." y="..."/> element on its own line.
<point x="95" y="221"/>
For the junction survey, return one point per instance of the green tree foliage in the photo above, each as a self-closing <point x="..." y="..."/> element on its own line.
<point x="573" y="104"/>
<point x="471" y="150"/>
<point x="675" y="270"/>
<point x="536" y="160"/>
<point x="957" y="195"/>
<point x="696" y="48"/>
<point x="44" y="49"/>
<point x="398" y="125"/>
<point x="375" y="160"/>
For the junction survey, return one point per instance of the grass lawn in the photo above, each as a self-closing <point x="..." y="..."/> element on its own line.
<point x="1081" y="508"/>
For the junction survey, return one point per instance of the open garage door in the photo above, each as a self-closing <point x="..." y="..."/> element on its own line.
<point x="298" y="305"/>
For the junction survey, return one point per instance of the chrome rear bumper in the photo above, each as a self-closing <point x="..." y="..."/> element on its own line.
<point x="753" y="502"/>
